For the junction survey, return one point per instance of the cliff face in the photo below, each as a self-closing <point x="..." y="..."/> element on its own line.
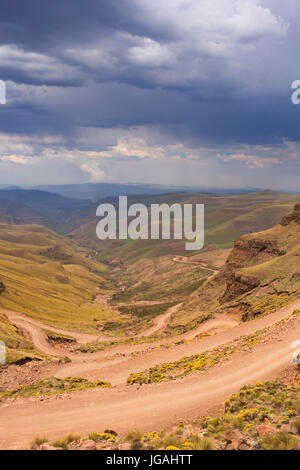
<point x="293" y="216"/>
<point x="248" y="251"/>
<point x="237" y="284"/>
<point x="253" y="250"/>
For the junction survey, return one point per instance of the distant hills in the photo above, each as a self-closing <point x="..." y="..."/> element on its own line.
<point x="21" y="206"/>
<point x="97" y="191"/>
<point x="227" y="217"/>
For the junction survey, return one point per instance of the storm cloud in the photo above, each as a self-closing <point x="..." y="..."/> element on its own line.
<point x="169" y="91"/>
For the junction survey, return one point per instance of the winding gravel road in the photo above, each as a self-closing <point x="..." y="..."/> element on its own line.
<point x="152" y="406"/>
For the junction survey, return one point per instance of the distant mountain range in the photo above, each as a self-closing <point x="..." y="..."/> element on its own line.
<point x="21" y="206"/>
<point x="97" y="191"/>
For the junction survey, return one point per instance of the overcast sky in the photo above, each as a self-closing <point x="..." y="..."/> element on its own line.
<point x="183" y="92"/>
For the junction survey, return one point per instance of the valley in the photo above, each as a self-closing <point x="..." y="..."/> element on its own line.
<point x="129" y="337"/>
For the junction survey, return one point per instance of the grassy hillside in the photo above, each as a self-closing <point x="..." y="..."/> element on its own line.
<point x="49" y="278"/>
<point x="261" y="274"/>
<point x="158" y="279"/>
<point x="227" y="217"/>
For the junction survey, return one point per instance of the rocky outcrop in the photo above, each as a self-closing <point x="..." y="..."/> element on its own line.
<point x="249" y="250"/>
<point x="260" y="275"/>
<point x="264" y="429"/>
<point x="238" y="284"/>
<point x="2" y="286"/>
<point x="87" y="445"/>
<point x="293" y="216"/>
<point x="45" y="446"/>
<point x="235" y="440"/>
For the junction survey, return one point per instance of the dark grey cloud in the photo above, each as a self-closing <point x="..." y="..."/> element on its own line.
<point x="206" y="73"/>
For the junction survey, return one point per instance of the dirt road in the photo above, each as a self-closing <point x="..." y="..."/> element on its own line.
<point x="147" y="408"/>
<point x="161" y="321"/>
<point x="115" y="364"/>
<point x="23" y="321"/>
<point x="203" y="264"/>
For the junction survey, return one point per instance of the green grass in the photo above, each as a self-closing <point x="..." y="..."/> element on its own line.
<point x="280" y="441"/>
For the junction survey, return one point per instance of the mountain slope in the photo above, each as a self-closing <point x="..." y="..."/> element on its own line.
<point x="262" y="273"/>
<point x="49" y="278"/>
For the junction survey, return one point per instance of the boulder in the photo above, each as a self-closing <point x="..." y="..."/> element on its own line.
<point x="236" y="440"/>
<point x="88" y="445"/>
<point x="47" y="446"/>
<point x="124" y="446"/>
<point x="264" y="429"/>
<point x="289" y="428"/>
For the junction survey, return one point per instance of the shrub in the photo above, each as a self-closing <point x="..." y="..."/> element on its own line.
<point x="38" y="441"/>
<point x="279" y="441"/>
<point x="172" y="440"/>
<point x="296" y="423"/>
<point x="103" y="436"/>
<point x="132" y="435"/>
<point x="203" y="444"/>
<point x="136" y="444"/>
<point x="63" y="443"/>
